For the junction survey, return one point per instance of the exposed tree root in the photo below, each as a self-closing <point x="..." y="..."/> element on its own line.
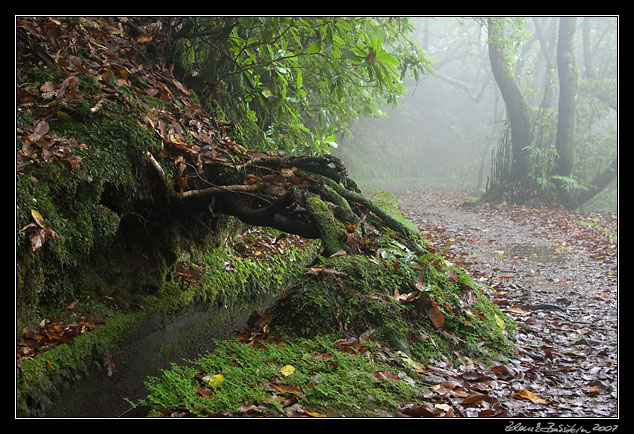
<point x="308" y="196"/>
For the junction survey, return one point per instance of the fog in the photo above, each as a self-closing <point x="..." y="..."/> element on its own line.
<point x="446" y="131"/>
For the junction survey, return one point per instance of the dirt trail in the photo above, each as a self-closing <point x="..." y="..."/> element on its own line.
<point x="556" y="277"/>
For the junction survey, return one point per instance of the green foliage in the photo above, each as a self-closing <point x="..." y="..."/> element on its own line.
<point x="293" y="83"/>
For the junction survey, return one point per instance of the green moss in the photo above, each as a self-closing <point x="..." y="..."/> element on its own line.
<point x="331" y="231"/>
<point x="328" y="194"/>
<point x="222" y="277"/>
<point x="40" y="379"/>
<point x="73" y="203"/>
<point x="340" y="384"/>
<point x="44" y="74"/>
<point x="153" y="102"/>
<point x="88" y="85"/>
<point x="346" y="297"/>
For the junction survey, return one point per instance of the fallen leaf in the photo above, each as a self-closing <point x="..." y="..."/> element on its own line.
<point x="322" y="356"/>
<point x="287" y="388"/>
<point x="518" y="310"/>
<point x="382" y="375"/>
<point x="37" y="217"/>
<point x="72" y="304"/>
<point x="435" y="315"/>
<point x="591" y="390"/>
<point x="110" y="369"/>
<point x="443" y="407"/>
<point x="319" y="270"/>
<point x="425" y="410"/>
<point x="213" y="380"/>
<point x="527" y="395"/>
<point x="500" y="322"/>
<point x="339" y="253"/>
<point x="287" y="370"/>
<point x="350" y="345"/>
<point x="367" y="335"/>
<point x="503" y="372"/>
<point x="473" y="399"/>
<point x="314" y="414"/>
<point x="409" y="361"/>
<point x="204" y="391"/>
<point x="144" y="37"/>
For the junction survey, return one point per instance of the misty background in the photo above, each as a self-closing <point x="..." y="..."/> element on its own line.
<point x="446" y="132"/>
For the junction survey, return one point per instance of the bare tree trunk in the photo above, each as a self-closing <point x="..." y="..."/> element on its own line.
<point x="567" y="70"/>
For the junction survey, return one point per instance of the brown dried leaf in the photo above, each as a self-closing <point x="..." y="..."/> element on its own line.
<point x="287" y="388"/>
<point x="425" y="410"/>
<point x="527" y="395"/>
<point x="204" y="391"/>
<point x="383" y="375"/>
<point x="435" y="315"/>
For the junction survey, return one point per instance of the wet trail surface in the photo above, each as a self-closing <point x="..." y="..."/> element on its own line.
<point x="554" y="272"/>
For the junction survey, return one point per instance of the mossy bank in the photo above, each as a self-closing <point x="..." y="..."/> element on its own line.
<point x="347" y="340"/>
<point x="114" y="240"/>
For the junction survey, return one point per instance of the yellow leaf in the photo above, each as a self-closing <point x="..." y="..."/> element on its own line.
<point x="443" y="407"/>
<point x="314" y="414"/>
<point x="37" y="217"/>
<point x="144" y="37"/>
<point x="63" y="116"/>
<point x="176" y="139"/>
<point x="287" y="370"/>
<point x="214" y="380"/>
<point x="500" y="322"/>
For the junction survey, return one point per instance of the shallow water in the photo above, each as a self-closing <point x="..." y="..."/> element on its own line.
<point x="154" y="346"/>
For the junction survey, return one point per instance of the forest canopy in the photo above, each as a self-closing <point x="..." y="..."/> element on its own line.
<point x="455" y="128"/>
<point x="295" y="83"/>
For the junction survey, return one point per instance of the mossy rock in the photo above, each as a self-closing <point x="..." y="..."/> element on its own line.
<point x="446" y="314"/>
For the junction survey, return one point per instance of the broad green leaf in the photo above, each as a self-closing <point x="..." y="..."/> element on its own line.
<point x="387" y="58"/>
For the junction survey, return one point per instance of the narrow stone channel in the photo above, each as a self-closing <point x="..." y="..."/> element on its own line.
<point x="154" y="346"/>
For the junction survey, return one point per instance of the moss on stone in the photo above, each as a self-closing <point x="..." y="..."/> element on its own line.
<point x="331" y="231"/>
<point x="40" y="379"/>
<point x="356" y="294"/>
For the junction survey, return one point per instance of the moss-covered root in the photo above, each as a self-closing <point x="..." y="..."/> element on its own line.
<point x="387" y="219"/>
<point x="331" y="231"/>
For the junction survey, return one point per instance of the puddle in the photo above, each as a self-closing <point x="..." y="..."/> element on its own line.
<point x="534" y="253"/>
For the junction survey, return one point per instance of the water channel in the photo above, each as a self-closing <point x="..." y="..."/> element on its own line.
<point x="154" y="346"/>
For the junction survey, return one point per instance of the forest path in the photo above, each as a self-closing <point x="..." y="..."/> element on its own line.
<point x="555" y="273"/>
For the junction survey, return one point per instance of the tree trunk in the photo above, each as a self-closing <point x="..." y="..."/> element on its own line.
<point x="587" y="50"/>
<point x="517" y="108"/>
<point x="567" y="70"/>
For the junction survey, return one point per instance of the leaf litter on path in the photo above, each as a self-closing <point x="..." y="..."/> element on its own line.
<point x="552" y="271"/>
